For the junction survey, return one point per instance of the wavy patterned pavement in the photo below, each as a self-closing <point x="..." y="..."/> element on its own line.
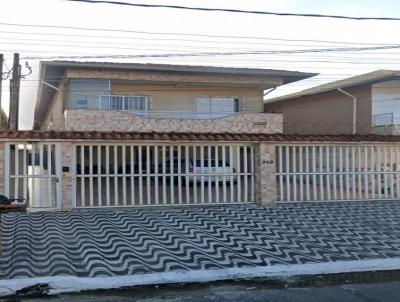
<point x="114" y="242"/>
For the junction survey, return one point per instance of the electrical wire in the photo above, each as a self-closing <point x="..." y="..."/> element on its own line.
<point x="178" y="34"/>
<point x="235" y="53"/>
<point x="208" y="9"/>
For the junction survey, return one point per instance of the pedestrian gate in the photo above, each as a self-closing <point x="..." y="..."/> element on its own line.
<point x="33" y="172"/>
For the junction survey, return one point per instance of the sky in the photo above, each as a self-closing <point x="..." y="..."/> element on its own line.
<point x="181" y="31"/>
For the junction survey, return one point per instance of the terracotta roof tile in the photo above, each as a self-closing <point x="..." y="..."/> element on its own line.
<point x="187" y="136"/>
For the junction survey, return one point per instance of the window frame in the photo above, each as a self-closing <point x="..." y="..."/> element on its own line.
<point x="124" y="102"/>
<point x="237" y="103"/>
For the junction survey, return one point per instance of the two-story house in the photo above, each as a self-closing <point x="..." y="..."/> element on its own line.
<point x="155" y="97"/>
<point x="188" y="134"/>
<point x="364" y="104"/>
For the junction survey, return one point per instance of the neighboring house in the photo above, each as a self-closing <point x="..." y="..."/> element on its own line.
<point x="155" y="97"/>
<point x="364" y="104"/>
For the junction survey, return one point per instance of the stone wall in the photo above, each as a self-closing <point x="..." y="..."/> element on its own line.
<point x="106" y="120"/>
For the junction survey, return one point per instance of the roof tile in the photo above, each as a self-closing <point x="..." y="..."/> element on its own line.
<point x="187" y="136"/>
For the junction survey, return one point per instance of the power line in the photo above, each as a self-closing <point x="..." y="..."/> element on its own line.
<point x="192" y="40"/>
<point x="208" y="9"/>
<point x="9" y="40"/>
<point x="182" y="34"/>
<point x="233" y="53"/>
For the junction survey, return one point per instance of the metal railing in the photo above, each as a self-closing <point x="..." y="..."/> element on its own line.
<point x="338" y="172"/>
<point x="386" y="119"/>
<point x="184" y="114"/>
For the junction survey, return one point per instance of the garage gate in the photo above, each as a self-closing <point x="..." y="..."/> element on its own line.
<point x="108" y="175"/>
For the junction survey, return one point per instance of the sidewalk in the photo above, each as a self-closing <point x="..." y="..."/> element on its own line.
<point x="89" y="249"/>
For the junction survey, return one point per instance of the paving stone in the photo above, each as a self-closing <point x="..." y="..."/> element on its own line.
<point x="115" y="242"/>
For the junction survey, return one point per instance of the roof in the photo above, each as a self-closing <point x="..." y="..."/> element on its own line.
<point x="366" y="78"/>
<point x="188" y="136"/>
<point x="52" y="71"/>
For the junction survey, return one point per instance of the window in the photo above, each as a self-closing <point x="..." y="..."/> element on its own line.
<point x="222" y="105"/>
<point x="81" y="101"/>
<point x="124" y="103"/>
<point x="136" y="103"/>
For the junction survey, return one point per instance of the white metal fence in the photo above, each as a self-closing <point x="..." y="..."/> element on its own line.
<point x="160" y="174"/>
<point x="32" y="172"/>
<point x="338" y="172"/>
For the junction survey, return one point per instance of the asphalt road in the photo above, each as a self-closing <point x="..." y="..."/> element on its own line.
<point x="243" y="292"/>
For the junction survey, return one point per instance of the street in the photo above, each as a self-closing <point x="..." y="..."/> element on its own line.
<point x="243" y="292"/>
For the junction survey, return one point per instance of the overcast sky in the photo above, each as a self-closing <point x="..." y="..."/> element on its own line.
<point x="262" y="32"/>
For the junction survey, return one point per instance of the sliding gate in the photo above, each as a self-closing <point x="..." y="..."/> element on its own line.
<point x="338" y="172"/>
<point x="32" y="172"/>
<point x="156" y="174"/>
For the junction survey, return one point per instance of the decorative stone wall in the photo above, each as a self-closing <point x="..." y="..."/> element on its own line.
<point x="107" y="120"/>
<point x="266" y="192"/>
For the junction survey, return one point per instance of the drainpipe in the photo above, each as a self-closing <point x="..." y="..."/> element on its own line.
<point x="354" y="123"/>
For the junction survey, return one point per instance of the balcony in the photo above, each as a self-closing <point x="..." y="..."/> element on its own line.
<point x="178" y="121"/>
<point x="387" y="123"/>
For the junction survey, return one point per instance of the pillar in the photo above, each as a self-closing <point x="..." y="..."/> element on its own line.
<point x="266" y="190"/>
<point x="68" y="201"/>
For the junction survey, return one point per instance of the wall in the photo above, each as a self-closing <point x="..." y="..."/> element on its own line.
<point x="162" y="97"/>
<point x="107" y="120"/>
<point x="177" y="98"/>
<point x="86" y="89"/>
<point x="326" y="113"/>
<point x="387" y="130"/>
<point x="54" y="118"/>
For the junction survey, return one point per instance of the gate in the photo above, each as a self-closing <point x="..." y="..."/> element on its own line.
<point x="337" y="172"/>
<point x="33" y="172"/>
<point x="161" y="174"/>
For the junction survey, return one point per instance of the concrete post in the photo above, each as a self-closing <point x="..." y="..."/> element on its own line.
<point x="67" y="202"/>
<point x="266" y="191"/>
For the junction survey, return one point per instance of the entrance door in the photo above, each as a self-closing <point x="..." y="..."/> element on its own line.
<point x="33" y="172"/>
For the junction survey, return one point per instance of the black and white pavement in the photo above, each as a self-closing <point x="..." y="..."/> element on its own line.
<point x="136" y="241"/>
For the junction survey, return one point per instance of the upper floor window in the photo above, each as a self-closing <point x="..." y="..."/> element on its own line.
<point x="81" y="101"/>
<point x="217" y="105"/>
<point x="124" y="103"/>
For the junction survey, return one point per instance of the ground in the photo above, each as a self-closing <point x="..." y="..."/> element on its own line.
<point x="243" y="292"/>
<point x="191" y="242"/>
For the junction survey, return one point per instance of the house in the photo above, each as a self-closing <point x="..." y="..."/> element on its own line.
<point x="154" y="97"/>
<point x="146" y="134"/>
<point x="364" y="104"/>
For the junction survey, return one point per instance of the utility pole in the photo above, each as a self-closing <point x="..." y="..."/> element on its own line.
<point x="1" y="86"/>
<point x="14" y="94"/>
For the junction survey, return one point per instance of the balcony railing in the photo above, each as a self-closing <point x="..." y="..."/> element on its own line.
<point x="386" y="119"/>
<point x="190" y="115"/>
